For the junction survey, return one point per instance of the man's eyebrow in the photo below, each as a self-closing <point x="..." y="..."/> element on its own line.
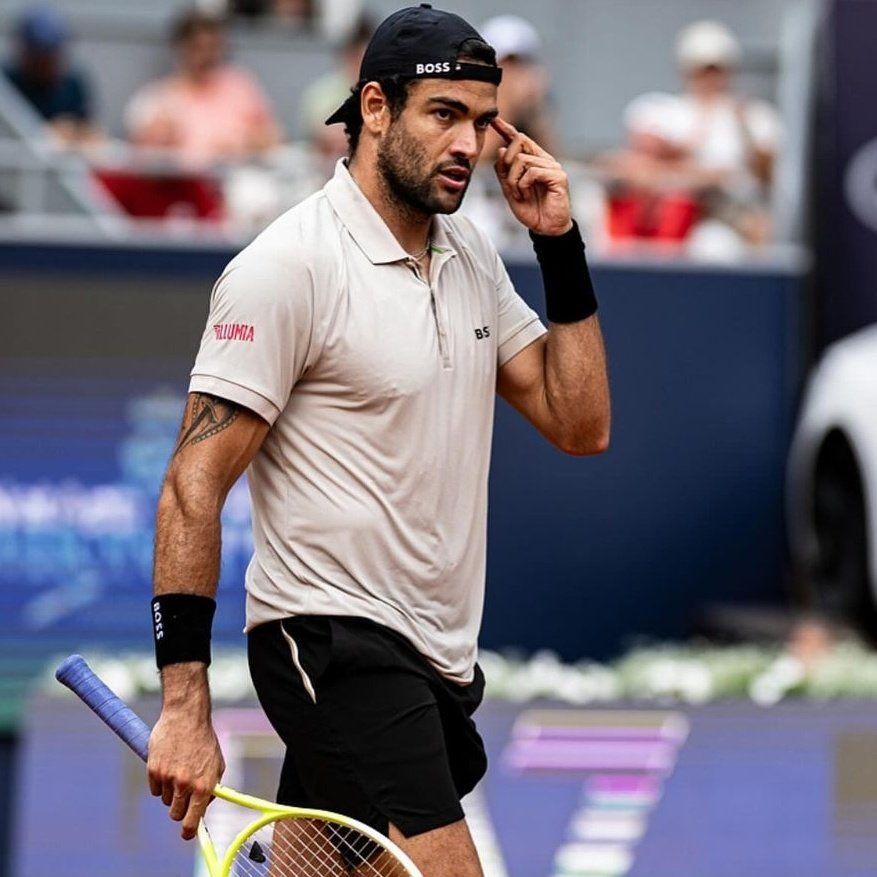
<point x="450" y="102"/>
<point x="460" y="107"/>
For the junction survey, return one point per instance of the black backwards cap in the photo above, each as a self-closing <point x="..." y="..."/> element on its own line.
<point x="418" y="42"/>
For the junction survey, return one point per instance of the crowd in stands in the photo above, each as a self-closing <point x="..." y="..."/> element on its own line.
<point x="207" y="110"/>
<point x="696" y="166"/>
<point x="39" y="69"/>
<point x="295" y="13"/>
<point x="693" y="175"/>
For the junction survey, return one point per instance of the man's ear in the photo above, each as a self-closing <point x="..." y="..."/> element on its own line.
<point x="374" y="109"/>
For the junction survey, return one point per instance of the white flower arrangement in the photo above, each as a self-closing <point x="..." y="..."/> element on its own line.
<point x="662" y="674"/>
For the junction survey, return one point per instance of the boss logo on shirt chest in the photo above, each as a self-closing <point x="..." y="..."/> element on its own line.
<point x="483" y="332"/>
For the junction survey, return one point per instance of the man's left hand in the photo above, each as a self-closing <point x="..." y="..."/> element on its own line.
<point x="533" y="182"/>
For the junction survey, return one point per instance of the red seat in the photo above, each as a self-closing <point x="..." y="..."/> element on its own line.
<point x="157" y="197"/>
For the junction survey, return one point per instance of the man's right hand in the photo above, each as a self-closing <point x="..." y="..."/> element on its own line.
<point x="185" y="761"/>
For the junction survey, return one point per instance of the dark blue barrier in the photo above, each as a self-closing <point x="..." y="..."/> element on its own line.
<point x="686" y="506"/>
<point x="844" y="166"/>
<point x="583" y="553"/>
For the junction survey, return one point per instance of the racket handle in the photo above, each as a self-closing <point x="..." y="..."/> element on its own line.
<point x="75" y="673"/>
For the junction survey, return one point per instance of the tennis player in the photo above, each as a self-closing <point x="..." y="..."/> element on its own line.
<point x="351" y="360"/>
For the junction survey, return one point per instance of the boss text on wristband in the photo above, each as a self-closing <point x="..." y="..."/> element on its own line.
<point x="181" y="626"/>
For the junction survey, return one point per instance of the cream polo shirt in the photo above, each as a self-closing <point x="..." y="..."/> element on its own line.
<point x="369" y="493"/>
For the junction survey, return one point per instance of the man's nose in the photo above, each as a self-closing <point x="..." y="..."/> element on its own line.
<point x="465" y="144"/>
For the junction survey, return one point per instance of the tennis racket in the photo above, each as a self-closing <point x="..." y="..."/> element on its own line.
<point x="279" y="841"/>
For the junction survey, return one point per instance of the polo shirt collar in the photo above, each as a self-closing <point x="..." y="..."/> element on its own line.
<point x="367" y="227"/>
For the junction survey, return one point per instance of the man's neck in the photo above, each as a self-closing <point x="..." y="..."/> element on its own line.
<point x="710" y="98"/>
<point x="198" y="78"/>
<point x="409" y="227"/>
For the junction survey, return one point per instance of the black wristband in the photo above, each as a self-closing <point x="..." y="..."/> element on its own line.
<point x="569" y="293"/>
<point x="182" y="625"/>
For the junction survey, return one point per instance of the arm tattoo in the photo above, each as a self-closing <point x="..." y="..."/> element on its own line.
<point x="205" y="416"/>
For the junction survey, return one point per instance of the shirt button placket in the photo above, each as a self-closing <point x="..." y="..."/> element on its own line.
<point x="440" y="321"/>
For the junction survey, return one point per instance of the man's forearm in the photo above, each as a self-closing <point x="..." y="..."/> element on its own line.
<point x="187" y="543"/>
<point x="216" y="443"/>
<point x="574" y="366"/>
<point x="576" y="386"/>
<point x="185" y="690"/>
<point x="187" y="557"/>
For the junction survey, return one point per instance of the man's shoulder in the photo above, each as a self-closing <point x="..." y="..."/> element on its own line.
<point x="233" y="77"/>
<point x="467" y="235"/>
<point x="762" y="109"/>
<point x="303" y="240"/>
<point x="470" y="240"/>
<point x="153" y="91"/>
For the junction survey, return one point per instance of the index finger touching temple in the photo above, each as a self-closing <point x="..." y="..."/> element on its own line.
<point x="507" y="131"/>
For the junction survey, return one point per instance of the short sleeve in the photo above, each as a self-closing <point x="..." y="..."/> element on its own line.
<point x="254" y="106"/>
<point x="143" y="108"/>
<point x="519" y="325"/>
<point x="764" y="125"/>
<point x="257" y="341"/>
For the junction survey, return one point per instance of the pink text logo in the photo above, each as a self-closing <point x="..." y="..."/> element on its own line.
<point x="233" y="331"/>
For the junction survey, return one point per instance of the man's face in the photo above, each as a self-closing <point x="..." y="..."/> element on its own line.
<point x="709" y="80"/>
<point x="426" y="155"/>
<point x="202" y="51"/>
<point x="41" y="65"/>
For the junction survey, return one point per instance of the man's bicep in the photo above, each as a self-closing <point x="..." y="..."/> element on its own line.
<point x="520" y="380"/>
<point x="258" y="339"/>
<point x="217" y="440"/>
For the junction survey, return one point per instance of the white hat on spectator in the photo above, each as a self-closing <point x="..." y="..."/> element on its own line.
<point x="707" y="44"/>
<point x="654" y="113"/>
<point x="511" y="35"/>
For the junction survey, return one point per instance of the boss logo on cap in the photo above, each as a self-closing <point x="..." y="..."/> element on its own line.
<point x="436" y="67"/>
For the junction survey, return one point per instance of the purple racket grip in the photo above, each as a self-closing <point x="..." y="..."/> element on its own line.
<point x="75" y="673"/>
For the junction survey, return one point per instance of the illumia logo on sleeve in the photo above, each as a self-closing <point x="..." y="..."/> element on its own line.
<point x="233" y="331"/>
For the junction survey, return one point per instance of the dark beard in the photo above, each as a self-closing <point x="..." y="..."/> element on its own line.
<point x="400" y="163"/>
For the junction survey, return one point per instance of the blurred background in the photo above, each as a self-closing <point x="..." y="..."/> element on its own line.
<point x="678" y="634"/>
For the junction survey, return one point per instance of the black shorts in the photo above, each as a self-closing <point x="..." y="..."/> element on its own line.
<point x="371" y="728"/>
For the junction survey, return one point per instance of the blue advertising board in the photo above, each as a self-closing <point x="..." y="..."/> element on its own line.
<point x="684" y="509"/>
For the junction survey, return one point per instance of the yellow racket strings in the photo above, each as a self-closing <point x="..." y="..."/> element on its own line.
<point x="313" y="848"/>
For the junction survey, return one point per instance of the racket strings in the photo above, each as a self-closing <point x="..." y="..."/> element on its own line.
<point x="313" y="855"/>
<point x="313" y="848"/>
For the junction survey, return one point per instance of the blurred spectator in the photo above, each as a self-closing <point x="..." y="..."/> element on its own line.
<point x="40" y="71"/>
<point x="289" y="13"/>
<point x="299" y="13"/>
<point x="209" y="110"/>
<point x="724" y="132"/>
<point x="247" y="8"/>
<point x="523" y="97"/>
<point x="255" y="196"/>
<point x="649" y="182"/>
<point x="523" y="100"/>
<point x="320" y="99"/>
<point x="698" y="165"/>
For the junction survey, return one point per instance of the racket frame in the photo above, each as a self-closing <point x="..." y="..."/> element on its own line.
<point x="74" y="671"/>
<point x="271" y="812"/>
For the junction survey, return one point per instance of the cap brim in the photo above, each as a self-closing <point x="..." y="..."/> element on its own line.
<point x="342" y="114"/>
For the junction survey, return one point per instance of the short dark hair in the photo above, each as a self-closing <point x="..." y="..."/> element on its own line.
<point x="396" y="88"/>
<point x="193" y="22"/>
